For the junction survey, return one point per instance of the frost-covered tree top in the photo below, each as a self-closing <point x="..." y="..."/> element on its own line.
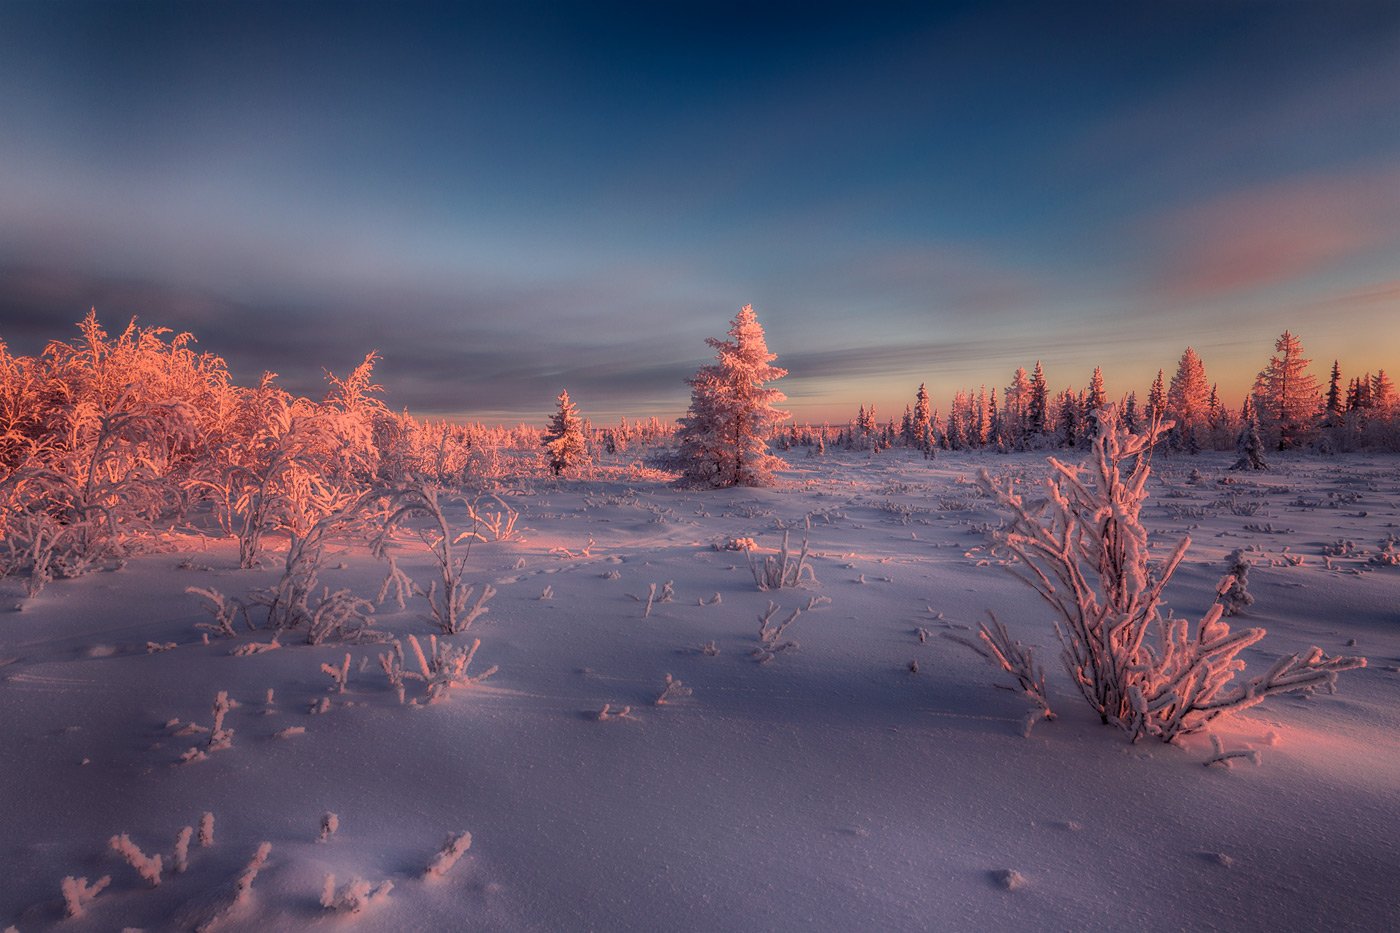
<point x="564" y="440"/>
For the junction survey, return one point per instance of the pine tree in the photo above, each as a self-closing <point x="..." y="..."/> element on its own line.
<point x="1287" y="394"/>
<point x="1156" y="400"/>
<point x="1014" y="406"/>
<point x="1037" y="411"/>
<point x="1250" y="447"/>
<point x="1094" y="399"/>
<point x="1336" y="404"/>
<point x="1382" y="392"/>
<point x="1188" y="400"/>
<point x="564" y="438"/>
<point x="923" y="419"/>
<point x="1130" y="412"/>
<point x="723" y="436"/>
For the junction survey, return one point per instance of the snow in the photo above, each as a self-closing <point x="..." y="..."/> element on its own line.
<point x="831" y="788"/>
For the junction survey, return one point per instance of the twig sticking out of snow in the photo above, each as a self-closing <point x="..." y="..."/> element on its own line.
<point x="997" y="646"/>
<point x="778" y="571"/>
<point x="338" y="675"/>
<point x="355" y="896"/>
<point x="673" y="690"/>
<point x="454" y="848"/>
<point x="607" y="713"/>
<point x="147" y="866"/>
<point x="224" y="609"/>
<point x="206" y="830"/>
<point x="243" y="887"/>
<point x="181" y="861"/>
<point x="770" y="636"/>
<point x="651" y="598"/>
<point x="330" y="823"/>
<point x="1226" y="759"/>
<point x="817" y="602"/>
<point x="77" y="894"/>
<point x="548" y="593"/>
<point x="714" y="600"/>
<point x="219" y="737"/>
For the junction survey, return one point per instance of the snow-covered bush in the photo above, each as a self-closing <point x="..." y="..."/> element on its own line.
<point x="1084" y="550"/>
<point x="771" y="641"/>
<point x="443" y="667"/>
<point x="147" y="866"/>
<point x="783" y="570"/>
<point x="1235" y="595"/>
<point x="449" y="598"/>
<point x="77" y="893"/>
<point x="355" y="896"/>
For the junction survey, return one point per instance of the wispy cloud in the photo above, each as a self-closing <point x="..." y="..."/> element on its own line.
<point x="1277" y="233"/>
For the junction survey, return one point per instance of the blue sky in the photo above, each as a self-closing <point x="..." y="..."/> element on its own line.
<point x="506" y="200"/>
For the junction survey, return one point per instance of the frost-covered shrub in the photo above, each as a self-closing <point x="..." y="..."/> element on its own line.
<point x="441" y="668"/>
<point x="776" y="571"/>
<point x="771" y="634"/>
<point x="355" y="896"/>
<point x="1084" y="550"/>
<point x="147" y="866"/>
<point x="449" y="598"/>
<point x="77" y="893"/>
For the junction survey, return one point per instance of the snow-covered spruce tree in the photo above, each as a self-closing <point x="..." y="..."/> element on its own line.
<point x="723" y="437"/>
<point x="1251" y="448"/>
<point x="1286" y="395"/>
<point x="1188" y="401"/>
<point x="564" y="439"/>
<point x="1085" y="552"/>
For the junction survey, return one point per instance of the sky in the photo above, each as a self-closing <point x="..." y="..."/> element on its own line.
<point x="509" y="199"/>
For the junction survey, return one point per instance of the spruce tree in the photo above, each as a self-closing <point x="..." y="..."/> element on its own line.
<point x="1188" y="400"/>
<point x="564" y="440"/>
<point x="1287" y="394"/>
<point x="1335" y="401"/>
<point x="1037" y="413"/>
<point x="723" y="437"/>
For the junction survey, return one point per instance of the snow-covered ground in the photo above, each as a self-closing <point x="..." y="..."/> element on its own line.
<point x="832" y="788"/>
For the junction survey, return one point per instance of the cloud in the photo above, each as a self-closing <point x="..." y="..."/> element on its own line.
<point x="1273" y="234"/>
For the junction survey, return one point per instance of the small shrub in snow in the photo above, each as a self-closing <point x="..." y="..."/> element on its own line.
<point x="1235" y="595"/>
<point x="339" y="675"/>
<point x="443" y="667"/>
<point x="77" y="894"/>
<point x="206" y="830"/>
<point x="355" y="896"/>
<point x="782" y="570"/>
<point x="147" y="866"/>
<point x="449" y="599"/>
<point x="672" y="690"/>
<point x="771" y="642"/>
<point x="453" y="849"/>
<point x="330" y="824"/>
<point x="224" y="609"/>
<point x="1085" y="552"/>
